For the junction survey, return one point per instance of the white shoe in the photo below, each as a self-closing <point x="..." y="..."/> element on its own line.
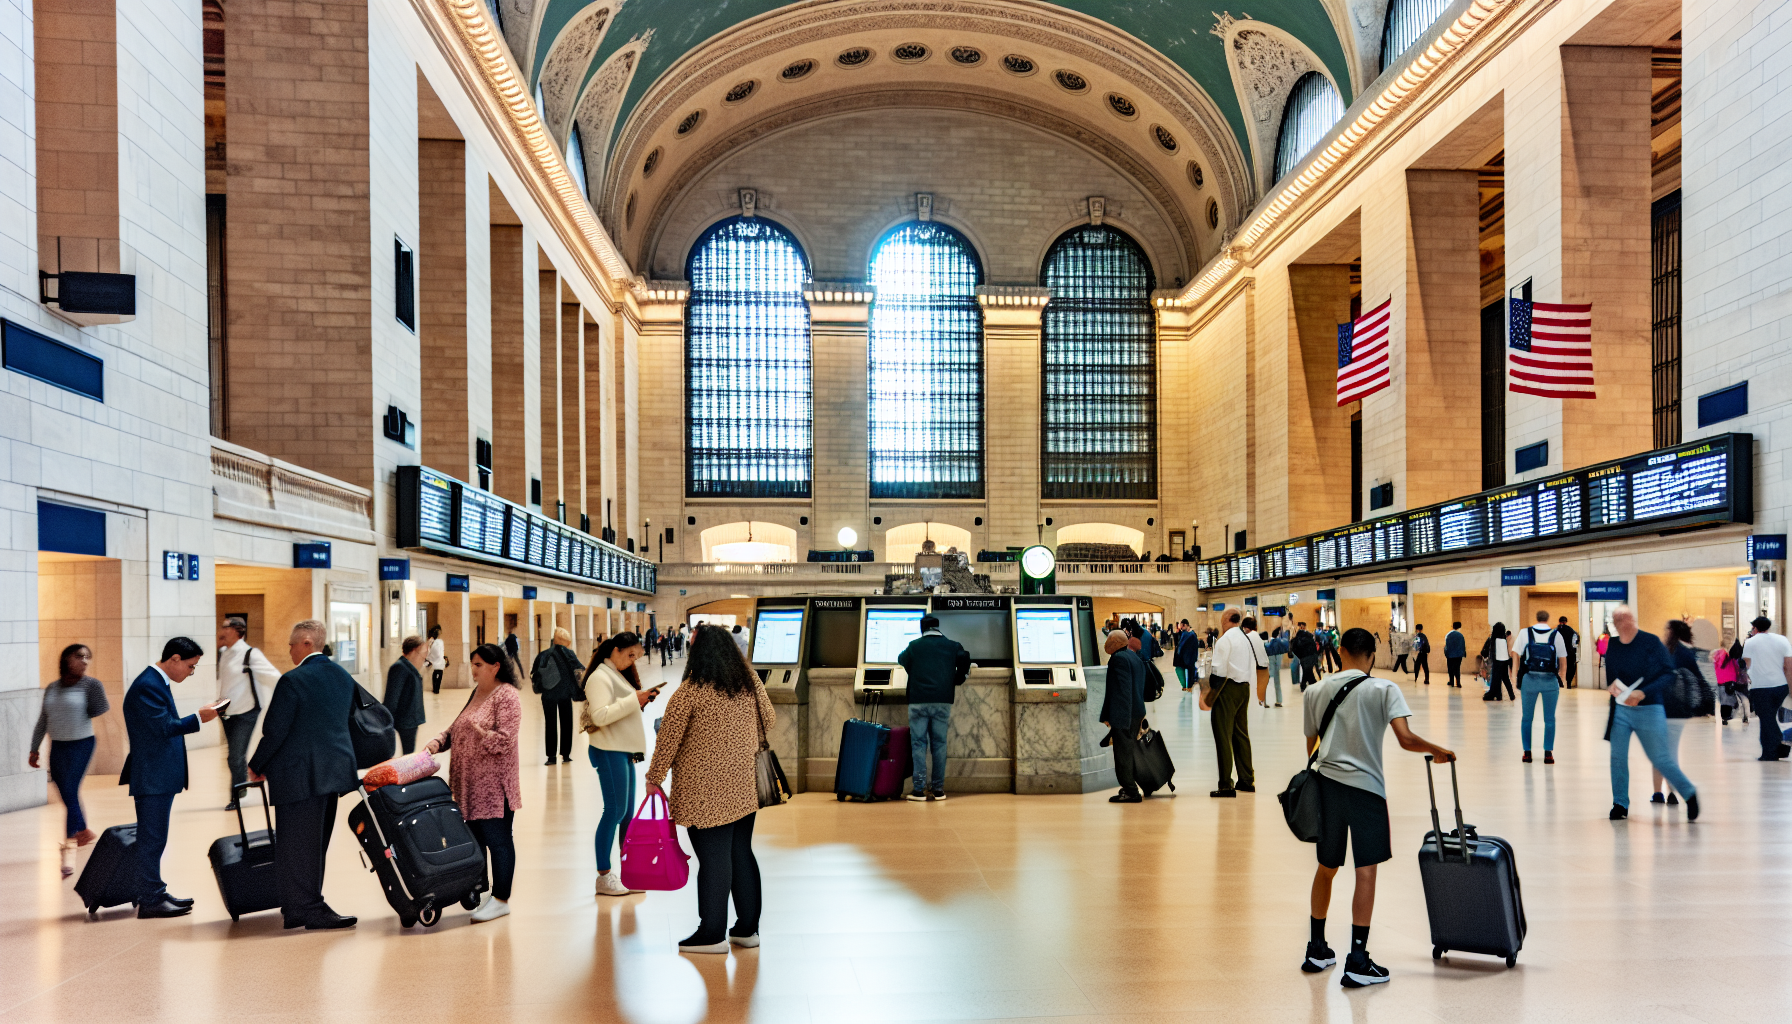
<point x="745" y="941"/>
<point x="717" y="947"/>
<point x="491" y="909"/>
<point x="610" y="884"/>
<point x="68" y="857"/>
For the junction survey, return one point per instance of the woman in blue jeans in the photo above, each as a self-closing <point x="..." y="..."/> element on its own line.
<point x="611" y="719"/>
<point x="1638" y="672"/>
<point x="71" y="703"/>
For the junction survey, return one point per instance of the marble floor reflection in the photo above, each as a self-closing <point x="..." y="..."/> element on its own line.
<point x="988" y="907"/>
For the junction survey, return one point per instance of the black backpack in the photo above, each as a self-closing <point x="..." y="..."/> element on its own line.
<point x="1689" y="695"/>
<point x="1154" y="681"/>
<point x="1303" y="645"/>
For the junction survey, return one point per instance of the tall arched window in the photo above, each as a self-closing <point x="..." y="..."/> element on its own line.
<point x="748" y="408"/>
<point x="926" y="366"/>
<point x="1313" y="108"/>
<point x="1099" y="421"/>
<point x="1407" y="21"/>
<point x="575" y="162"/>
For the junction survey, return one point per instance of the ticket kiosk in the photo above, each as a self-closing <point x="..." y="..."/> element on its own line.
<point x="888" y="626"/>
<point x="778" y="634"/>
<point x="1045" y="643"/>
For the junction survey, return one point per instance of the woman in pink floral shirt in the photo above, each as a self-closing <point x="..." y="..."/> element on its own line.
<point x="482" y="772"/>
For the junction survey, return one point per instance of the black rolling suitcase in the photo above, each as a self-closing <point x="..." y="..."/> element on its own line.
<point x="1471" y="886"/>
<point x="244" y="863"/>
<point x="111" y="876"/>
<point x="418" y="845"/>
<point x="1152" y="769"/>
<point x="862" y="746"/>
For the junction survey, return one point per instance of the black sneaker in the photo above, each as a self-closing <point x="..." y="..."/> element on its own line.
<point x="1692" y="807"/>
<point x="1672" y="799"/>
<point x="1619" y="812"/>
<point x="1319" y="957"/>
<point x="1656" y="798"/>
<point x="1360" y="971"/>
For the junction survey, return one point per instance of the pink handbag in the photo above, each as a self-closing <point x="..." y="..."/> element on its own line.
<point x="651" y="856"/>
<point x="400" y="771"/>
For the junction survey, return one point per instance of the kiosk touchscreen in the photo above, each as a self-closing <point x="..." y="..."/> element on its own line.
<point x="777" y="651"/>
<point x="887" y="631"/>
<point x="1045" y="645"/>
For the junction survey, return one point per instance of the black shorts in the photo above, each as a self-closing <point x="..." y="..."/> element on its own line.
<point x="1358" y="812"/>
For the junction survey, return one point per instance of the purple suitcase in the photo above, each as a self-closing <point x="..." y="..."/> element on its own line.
<point x="897" y="762"/>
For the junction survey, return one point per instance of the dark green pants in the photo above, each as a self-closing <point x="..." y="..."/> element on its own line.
<point x="1232" y="733"/>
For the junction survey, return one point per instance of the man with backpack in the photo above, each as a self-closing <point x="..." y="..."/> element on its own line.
<point x="1543" y="652"/>
<point x="1305" y="650"/>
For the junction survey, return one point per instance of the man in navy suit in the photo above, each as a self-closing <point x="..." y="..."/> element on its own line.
<point x="308" y="760"/>
<point x="156" y="768"/>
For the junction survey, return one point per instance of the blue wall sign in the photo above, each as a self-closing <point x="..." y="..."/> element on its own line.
<point x="1519" y="576"/>
<point x="1396" y="586"/>
<point x="529" y="593"/>
<point x="458" y="584"/>
<point x="71" y="530"/>
<point x="395" y="568"/>
<point x="1250" y="602"/>
<point x="192" y="567"/>
<point x="569" y="597"/>
<point x="1219" y="606"/>
<point x="174" y="565"/>
<point x="1277" y="611"/>
<point x="311" y="555"/>
<point x="1328" y="595"/>
<point x="1765" y="547"/>
<point x="1608" y="590"/>
<point x="640" y="606"/>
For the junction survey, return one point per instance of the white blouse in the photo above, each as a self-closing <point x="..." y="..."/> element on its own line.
<point x="611" y="716"/>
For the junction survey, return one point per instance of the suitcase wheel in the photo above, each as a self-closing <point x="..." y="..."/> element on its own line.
<point x="1512" y="961"/>
<point x="233" y="918"/>
<point x="92" y="914"/>
<point x="406" y="920"/>
<point x="470" y="901"/>
<point x="1437" y="953"/>
<point x="840" y="797"/>
<point x="428" y="916"/>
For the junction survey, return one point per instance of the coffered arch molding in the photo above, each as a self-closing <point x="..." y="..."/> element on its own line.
<point x="1051" y="32"/>
<point x="1097" y="143"/>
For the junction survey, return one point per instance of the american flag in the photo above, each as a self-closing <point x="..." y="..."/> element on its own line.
<point x="1363" y="354"/>
<point x="1551" y="351"/>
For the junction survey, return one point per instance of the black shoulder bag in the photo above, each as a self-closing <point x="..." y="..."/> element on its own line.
<point x="1300" y="801"/>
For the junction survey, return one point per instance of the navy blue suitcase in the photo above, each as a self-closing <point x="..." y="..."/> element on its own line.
<point x="862" y="746"/>
<point x="1472" y="892"/>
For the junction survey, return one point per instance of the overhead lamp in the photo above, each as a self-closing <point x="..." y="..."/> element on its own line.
<point x="847" y="537"/>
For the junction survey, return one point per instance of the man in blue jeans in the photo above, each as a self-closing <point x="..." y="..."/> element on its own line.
<point x="936" y="667"/>
<point x="1639" y="670"/>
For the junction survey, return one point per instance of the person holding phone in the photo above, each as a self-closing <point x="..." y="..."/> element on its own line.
<point x="611" y="720"/>
<point x="156" y="769"/>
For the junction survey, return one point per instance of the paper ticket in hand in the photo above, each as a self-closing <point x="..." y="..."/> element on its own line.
<point x="1626" y="689"/>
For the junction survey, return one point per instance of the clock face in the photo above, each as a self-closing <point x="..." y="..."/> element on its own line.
<point x="1037" y="562"/>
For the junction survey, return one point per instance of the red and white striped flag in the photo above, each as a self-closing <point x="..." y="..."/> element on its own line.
<point x="1363" y="354"/>
<point x="1550" y="353"/>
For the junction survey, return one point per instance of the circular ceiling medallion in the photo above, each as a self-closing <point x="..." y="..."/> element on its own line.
<point x="858" y="56"/>
<point x="1195" y="177"/>
<point x="969" y="56"/>
<point x="1070" y="81"/>
<point x="1122" y="106"/>
<point x="1164" y="138"/>
<point x="740" y="91"/>
<point x="651" y="163"/>
<point x="690" y="122"/>
<point x="796" y="70"/>
<point x="911" y="53"/>
<point x="1213" y="213"/>
<point x="1015" y="64"/>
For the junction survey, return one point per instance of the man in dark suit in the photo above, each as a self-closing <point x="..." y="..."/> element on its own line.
<point x="156" y="768"/>
<point x="308" y="761"/>
<point x="1122" y="709"/>
<point x="404" y="692"/>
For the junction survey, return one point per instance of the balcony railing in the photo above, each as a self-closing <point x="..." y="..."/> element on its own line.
<point x="250" y="487"/>
<point x="1001" y="572"/>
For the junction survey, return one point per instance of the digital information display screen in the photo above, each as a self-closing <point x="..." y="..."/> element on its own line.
<point x="1707" y="481"/>
<point x="435" y="507"/>
<point x="888" y="631"/>
<point x="1045" y="636"/>
<point x="778" y="636"/>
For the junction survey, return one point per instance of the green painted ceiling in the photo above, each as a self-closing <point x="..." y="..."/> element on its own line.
<point x="1178" y="29"/>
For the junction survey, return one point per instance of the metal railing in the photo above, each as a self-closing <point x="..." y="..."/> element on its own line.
<point x="743" y="571"/>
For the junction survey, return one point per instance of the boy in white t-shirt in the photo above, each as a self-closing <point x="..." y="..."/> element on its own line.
<point x="1353" y="796"/>
<point x="1768" y="656"/>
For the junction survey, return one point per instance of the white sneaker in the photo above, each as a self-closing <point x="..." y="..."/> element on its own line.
<point x="610" y="884"/>
<point x="745" y="941"/>
<point x="491" y="909"/>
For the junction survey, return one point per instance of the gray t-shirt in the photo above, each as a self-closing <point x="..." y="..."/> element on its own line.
<point x="1351" y="750"/>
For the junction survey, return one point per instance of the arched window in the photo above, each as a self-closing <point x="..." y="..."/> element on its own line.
<point x="1313" y="107"/>
<point x="1099" y="408"/>
<point x="575" y="162"/>
<point x="1407" y="21"/>
<point x="926" y="366"/>
<point x="748" y="409"/>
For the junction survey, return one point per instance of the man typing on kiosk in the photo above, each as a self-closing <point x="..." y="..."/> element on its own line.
<point x="936" y="667"/>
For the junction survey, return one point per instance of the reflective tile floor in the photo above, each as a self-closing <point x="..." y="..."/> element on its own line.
<point x="989" y="908"/>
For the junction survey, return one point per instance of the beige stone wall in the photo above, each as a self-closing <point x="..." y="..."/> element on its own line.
<point x="446" y="435"/>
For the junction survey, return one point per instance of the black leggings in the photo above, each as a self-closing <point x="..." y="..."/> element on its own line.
<point x="558" y="710"/>
<point x="495" y="839"/>
<point x="725" y="866"/>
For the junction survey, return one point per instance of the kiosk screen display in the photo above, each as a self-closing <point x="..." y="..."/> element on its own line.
<point x="888" y="631"/>
<point x="777" y="636"/>
<point x="1045" y="636"/>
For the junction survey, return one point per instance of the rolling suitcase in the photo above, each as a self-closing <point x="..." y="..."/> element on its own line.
<point x="416" y="842"/>
<point x="897" y="762"/>
<point x="863" y="745"/>
<point x="1152" y="769"/>
<point x="244" y="863"/>
<point x="1471" y="886"/>
<point x="111" y="875"/>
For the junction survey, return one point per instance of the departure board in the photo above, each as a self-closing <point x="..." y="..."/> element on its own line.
<point x="1705" y="481"/>
<point x="537" y="540"/>
<point x="1244" y="569"/>
<point x="516" y="535"/>
<point x="435" y="507"/>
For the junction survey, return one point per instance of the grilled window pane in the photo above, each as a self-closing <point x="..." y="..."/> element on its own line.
<point x="926" y="366"/>
<point x="747" y="362"/>
<point x="1407" y="21"/>
<point x="1099" y="403"/>
<point x="1313" y="108"/>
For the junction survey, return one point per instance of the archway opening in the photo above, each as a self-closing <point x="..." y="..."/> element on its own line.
<point x="1099" y="542"/>
<point x="903" y="543"/>
<point x="749" y="542"/>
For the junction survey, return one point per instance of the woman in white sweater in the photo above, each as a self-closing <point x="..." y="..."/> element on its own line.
<point x="611" y="720"/>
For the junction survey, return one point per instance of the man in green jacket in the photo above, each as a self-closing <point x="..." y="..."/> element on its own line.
<point x="936" y="667"/>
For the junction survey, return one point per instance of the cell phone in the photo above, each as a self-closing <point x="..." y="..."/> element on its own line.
<point x="221" y="705"/>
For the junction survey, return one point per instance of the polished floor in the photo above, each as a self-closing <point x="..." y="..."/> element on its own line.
<point x="989" y="908"/>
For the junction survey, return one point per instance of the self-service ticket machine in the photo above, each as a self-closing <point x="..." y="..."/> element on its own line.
<point x="889" y="625"/>
<point x="778" y="634"/>
<point x="1059" y="685"/>
<point x="1046" y="643"/>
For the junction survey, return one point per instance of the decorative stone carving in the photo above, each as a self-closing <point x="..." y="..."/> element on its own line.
<point x="564" y="70"/>
<point x="1265" y="62"/>
<point x="599" y="105"/>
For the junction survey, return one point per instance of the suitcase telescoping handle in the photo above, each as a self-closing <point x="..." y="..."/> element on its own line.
<point x="236" y="797"/>
<point x="1437" y="828"/>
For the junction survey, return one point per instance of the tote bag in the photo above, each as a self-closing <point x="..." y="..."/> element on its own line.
<point x="651" y="856"/>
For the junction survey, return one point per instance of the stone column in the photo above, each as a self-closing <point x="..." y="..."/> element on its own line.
<point x="652" y="326"/>
<point x="515" y="320"/>
<point x="1318" y="427"/>
<point x="1441" y="380"/>
<point x="1012" y="445"/>
<point x="840" y="333"/>
<point x="447" y="436"/>
<point x="552" y="338"/>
